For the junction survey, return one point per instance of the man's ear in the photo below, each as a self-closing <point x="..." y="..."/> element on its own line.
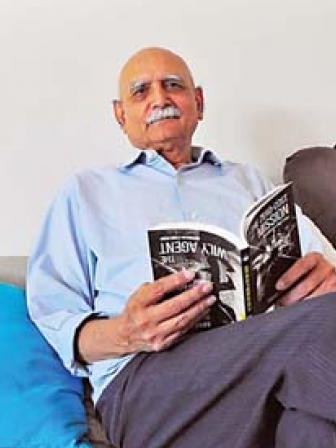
<point x="119" y="112"/>
<point x="199" y="101"/>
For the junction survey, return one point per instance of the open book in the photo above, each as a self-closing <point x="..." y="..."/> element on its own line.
<point x="243" y="270"/>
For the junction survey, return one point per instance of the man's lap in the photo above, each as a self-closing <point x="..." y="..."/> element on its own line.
<point x="222" y="383"/>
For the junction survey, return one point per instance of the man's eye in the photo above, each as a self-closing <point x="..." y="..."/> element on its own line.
<point x="172" y="84"/>
<point x="139" y="91"/>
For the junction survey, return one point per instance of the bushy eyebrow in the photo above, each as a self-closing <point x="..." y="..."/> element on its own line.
<point x="136" y="85"/>
<point x="143" y="83"/>
<point x="173" y="78"/>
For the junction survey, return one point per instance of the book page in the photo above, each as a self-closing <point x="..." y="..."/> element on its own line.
<point x="272" y="234"/>
<point x="212" y="257"/>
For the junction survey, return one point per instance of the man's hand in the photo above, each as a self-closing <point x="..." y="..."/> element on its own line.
<point x="151" y="325"/>
<point x="311" y="276"/>
<point x="147" y="323"/>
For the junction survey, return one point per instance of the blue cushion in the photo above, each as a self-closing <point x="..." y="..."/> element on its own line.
<point x="41" y="402"/>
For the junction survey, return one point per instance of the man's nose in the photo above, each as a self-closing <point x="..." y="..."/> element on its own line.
<point x="159" y="96"/>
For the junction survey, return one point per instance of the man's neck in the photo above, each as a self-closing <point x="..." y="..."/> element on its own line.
<point x="176" y="155"/>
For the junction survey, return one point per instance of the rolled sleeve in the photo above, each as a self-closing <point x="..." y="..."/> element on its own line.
<point x="65" y="344"/>
<point x="59" y="281"/>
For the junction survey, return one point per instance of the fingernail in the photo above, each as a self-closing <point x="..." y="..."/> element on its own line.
<point x="188" y="274"/>
<point x="280" y="284"/>
<point x="205" y="286"/>
<point x="211" y="300"/>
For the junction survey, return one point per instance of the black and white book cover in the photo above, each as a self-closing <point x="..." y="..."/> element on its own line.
<point x="243" y="270"/>
<point x="271" y="231"/>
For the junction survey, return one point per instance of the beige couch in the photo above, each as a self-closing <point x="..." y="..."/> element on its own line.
<point x="13" y="270"/>
<point x="302" y="168"/>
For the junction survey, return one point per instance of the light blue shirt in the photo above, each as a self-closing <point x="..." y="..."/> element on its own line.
<point x="92" y="253"/>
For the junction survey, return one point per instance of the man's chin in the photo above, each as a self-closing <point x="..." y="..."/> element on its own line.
<point x="166" y="143"/>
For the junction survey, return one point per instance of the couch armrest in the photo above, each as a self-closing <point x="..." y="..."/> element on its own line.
<point x="13" y="269"/>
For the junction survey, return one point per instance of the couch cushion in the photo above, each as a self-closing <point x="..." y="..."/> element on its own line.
<point x="41" y="403"/>
<point x="313" y="171"/>
<point x="13" y="269"/>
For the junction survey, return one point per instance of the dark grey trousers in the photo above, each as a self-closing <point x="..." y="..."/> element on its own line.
<point x="269" y="381"/>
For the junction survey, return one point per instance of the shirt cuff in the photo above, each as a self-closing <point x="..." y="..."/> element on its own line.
<point x="66" y="343"/>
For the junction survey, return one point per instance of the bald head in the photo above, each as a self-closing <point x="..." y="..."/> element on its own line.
<point x="159" y="105"/>
<point x="140" y="61"/>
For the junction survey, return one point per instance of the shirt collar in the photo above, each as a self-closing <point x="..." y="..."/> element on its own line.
<point x="147" y="156"/>
<point x="201" y="155"/>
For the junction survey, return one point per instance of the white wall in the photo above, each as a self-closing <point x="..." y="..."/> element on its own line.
<point x="267" y="66"/>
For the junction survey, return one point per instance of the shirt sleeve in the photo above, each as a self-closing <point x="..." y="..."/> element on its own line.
<point x="312" y="239"/>
<point x="60" y="294"/>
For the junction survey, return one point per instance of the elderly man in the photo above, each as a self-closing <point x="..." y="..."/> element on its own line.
<point x="268" y="381"/>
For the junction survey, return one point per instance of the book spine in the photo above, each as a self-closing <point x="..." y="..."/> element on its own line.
<point x="247" y="281"/>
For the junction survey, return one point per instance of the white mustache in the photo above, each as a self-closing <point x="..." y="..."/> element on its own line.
<point x="162" y="114"/>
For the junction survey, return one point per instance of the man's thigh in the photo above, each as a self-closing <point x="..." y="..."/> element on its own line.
<point x="214" y="388"/>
